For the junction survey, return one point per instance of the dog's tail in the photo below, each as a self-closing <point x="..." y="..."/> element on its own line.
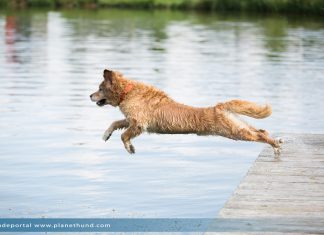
<point x="248" y="108"/>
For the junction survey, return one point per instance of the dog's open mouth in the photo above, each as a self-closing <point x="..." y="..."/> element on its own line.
<point x="101" y="102"/>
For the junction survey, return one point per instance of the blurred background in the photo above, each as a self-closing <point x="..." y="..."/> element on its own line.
<point x="53" y="160"/>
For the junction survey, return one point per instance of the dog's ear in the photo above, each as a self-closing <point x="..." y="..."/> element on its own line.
<point x="108" y="75"/>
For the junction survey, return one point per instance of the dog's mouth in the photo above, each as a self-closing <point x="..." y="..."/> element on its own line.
<point x="101" y="102"/>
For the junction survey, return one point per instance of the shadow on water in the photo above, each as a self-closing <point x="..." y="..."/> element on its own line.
<point x="53" y="161"/>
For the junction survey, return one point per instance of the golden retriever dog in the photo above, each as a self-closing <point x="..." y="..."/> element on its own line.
<point x="149" y="109"/>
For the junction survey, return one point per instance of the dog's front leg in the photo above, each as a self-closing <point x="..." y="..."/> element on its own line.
<point x="132" y="131"/>
<point x="114" y="126"/>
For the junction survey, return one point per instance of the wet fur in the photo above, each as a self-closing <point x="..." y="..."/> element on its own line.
<point x="148" y="109"/>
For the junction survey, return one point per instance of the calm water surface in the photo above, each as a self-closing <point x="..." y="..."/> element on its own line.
<point x="53" y="161"/>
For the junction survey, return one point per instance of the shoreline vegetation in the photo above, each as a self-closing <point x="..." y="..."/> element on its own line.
<point x="310" y="7"/>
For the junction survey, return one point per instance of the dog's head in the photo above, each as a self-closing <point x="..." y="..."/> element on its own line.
<point x="109" y="90"/>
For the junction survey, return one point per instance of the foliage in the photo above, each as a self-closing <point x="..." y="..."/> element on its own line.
<point x="287" y="6"/>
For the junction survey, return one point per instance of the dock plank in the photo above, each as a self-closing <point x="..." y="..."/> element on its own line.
<point x="287" y="187"/>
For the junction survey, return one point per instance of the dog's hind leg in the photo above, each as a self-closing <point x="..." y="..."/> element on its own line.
<point x="114" y="126"/>
<point x="276" y="143"/>
<point x="262" y="136"/>
<point x="132" y="131"/>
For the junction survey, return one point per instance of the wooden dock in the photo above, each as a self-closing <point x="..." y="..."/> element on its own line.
<point x="288" y="191"/>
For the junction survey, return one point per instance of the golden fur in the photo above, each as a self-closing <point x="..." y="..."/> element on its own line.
<point x="149" y="109"/>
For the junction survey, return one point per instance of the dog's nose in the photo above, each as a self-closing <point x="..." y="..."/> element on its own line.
<point x="90" y="96"/>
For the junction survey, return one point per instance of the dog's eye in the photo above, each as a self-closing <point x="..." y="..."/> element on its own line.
<point x="100" y="89"/>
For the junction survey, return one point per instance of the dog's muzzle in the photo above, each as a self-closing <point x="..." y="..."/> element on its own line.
<point x="101" y="102"/>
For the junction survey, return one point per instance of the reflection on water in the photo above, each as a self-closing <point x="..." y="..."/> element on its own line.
<point x="53" y="161"/>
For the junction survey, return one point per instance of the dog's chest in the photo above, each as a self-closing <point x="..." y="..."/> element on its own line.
<point x="138" y="112"/>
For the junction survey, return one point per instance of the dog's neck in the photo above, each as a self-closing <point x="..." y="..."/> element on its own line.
<point x="127" y="89"/>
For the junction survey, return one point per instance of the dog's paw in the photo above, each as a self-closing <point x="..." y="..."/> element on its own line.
<point x="278" y="147"/>
<point x="130" y="148"/>
<point x="277" y="151"/>
<point x="279" y="140"/>
<point x="278" y="143"/>
<point x="106" y="135"/>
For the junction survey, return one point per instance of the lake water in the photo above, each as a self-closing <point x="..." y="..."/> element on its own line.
<point x="53" y="162"/>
